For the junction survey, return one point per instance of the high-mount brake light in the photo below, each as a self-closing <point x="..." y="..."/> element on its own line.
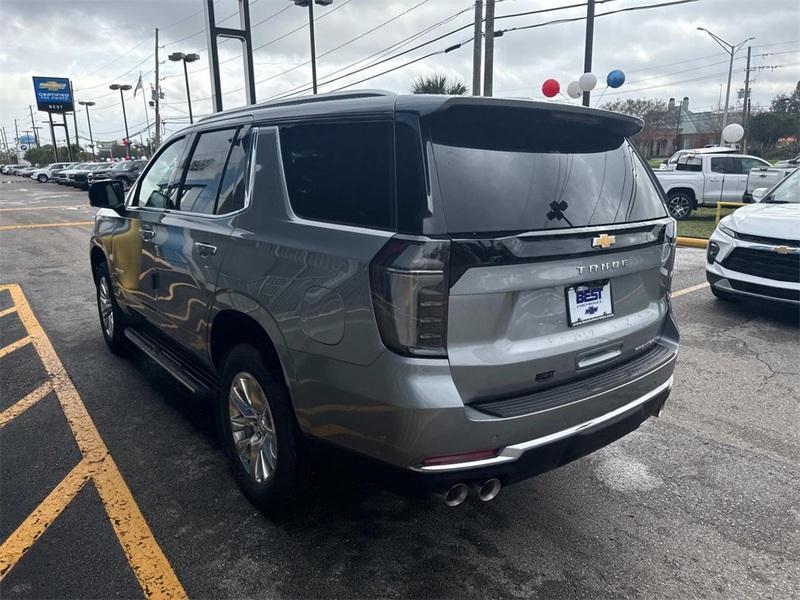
<point x="410" y="282"/>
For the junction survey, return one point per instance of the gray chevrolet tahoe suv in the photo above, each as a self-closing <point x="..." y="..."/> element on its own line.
<point x="464" y="291"/>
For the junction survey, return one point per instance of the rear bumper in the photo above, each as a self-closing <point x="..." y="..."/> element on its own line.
<point x="401" y="411"/>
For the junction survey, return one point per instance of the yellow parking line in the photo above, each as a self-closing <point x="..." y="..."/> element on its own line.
<point x="42" y="517"/>
<point x="16" y="409"/>
<point x="44" y="225"/>
<point x="15" y="346"/>
<point x="693" y="288"/>
<point x="8" y="311"/>
<point x="41" y="208"/>
<point x="150" y="565"/>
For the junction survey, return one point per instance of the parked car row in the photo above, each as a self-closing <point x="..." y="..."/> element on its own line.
<point x="80" y="174"/>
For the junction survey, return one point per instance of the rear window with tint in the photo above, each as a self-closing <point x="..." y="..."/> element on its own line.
<point x="509" y="170"/>
<point x="340" y="172"/>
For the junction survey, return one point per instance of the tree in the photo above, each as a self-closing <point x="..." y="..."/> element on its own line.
<point x="787" y="104"/>
<point x="438" y="83"/>
<point x="655" y="113"/>
<point x="44" y="154"/>
<point x="768" y="127"/>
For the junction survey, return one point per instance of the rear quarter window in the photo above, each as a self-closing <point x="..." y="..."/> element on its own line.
<point x="340" y="172"/>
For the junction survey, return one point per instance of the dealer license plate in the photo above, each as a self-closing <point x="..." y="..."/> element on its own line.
<point x="589" y="302"/>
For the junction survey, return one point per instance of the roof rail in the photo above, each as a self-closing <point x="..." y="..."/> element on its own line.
<point x="348" y="95"/>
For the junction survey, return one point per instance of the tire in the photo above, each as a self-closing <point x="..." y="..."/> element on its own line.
<point x="680" y="205"/>
<point x="112" y="321"/>
<point x="42" y="178"/>
<point x="724" y="296"/>
<point x="254" y="404"/>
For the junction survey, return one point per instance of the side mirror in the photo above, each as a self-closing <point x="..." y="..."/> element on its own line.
<point x="759" y="193"/>
<point x="107" y="193"/>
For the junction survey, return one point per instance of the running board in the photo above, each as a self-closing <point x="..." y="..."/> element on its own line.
<point x="193" y="379"/>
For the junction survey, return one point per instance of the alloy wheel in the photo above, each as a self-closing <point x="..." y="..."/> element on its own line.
<point x="106" y="307"/>
<point x="680" y="206"/>
<point x="252" y="427"/>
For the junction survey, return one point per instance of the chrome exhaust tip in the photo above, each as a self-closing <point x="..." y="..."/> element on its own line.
<point x="489" y="489"/>
<point x="454" y="495"/>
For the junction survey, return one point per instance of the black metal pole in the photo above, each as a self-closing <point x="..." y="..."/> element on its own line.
<point x="66" y="136"/>
<point x="313" y="45"/>
<point x="188" y="94"/>
<point x="587" y="55"/>
<point x="91" y="139"/>
<point x="125" y="119"/>
<point x="35" y="135"/>
<point x="53" y="135"/>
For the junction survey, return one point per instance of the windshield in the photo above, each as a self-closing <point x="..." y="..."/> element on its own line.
<point x="521" y="170"/>
<point x="121" y="166"/>
<point x="786" y="192"/>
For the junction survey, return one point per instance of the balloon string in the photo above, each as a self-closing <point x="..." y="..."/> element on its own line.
<point x="597" y="102"/>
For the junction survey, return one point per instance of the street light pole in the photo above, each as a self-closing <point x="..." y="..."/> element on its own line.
<point x="731" y="49"/>
<point x="186" y="58"/>
<point x="310" y="5"/>
<point x="124" y="88"/>
<point x="89" y="123"/>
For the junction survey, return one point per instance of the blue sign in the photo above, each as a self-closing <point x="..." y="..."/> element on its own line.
<point x="53" y="94"/>
<point x="27" y="139"/>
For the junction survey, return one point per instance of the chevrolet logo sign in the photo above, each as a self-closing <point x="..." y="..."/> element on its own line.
<point x="782" y="249"/>
<point x="52" y="86"/>
<point x="604" y="241"/>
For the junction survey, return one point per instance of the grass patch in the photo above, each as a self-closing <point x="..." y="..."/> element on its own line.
<point x="654" y="163"/>
<point x="701" y="223"/>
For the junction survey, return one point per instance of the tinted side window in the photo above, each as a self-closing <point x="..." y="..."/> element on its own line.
<point x="412" y="193"/>
<point x="231" y="192"/>
<point x="159" y="185"/>
<point x="751" y="163"/>
<point x="204" y="175"/>
<point x="723" y="164"/>
<point x="340" y="172"/>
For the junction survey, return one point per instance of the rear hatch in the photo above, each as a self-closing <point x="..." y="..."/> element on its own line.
<point x="561" y="247"/>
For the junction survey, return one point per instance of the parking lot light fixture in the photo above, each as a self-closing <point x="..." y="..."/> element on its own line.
<point x="731" y="49"/>
<point x="310" y="5"/>
<point x="89" y="122"/>
<point x="124" y="88"/>
<point x="186" y="58"/>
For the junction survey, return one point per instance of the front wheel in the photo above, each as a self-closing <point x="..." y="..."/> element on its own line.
<point x="680" y="205"/>
<point x="259" y="430"/>
<point x="112" y="322"/>
<point x="42" y="178"/>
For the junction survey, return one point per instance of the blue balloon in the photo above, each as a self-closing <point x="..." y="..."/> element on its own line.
<point x="615" y="78"/>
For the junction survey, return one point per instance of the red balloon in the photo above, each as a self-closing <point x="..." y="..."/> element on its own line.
<point x="550" y="88"/>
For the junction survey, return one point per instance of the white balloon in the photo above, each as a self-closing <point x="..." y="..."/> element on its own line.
<point x="574" y="90"/>
<point x="732" y="133"/>
<point x="587" y="81"/>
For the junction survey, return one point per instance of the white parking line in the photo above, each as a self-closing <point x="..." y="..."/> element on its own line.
<point x="693" y="288"/>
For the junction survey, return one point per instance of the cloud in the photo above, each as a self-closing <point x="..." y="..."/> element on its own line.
<point x="99" y="42"/>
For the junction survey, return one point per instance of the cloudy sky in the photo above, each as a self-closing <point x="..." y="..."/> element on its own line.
<point x="98" y="42"/>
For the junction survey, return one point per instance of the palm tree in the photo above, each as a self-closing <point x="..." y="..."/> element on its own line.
<point x="438" y="83"/>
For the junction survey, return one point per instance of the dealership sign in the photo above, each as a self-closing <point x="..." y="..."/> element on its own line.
<point x="53" y="94"/>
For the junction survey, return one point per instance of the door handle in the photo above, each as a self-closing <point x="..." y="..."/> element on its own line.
<point x="147" y="234"/>
<point x="204" y="249"/>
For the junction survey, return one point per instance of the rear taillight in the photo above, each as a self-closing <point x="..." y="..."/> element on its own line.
<point x="409" y="281"/>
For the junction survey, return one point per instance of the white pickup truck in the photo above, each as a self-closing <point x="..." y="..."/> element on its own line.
<point x="705" y="179"/>
<point x="766" y="177"/>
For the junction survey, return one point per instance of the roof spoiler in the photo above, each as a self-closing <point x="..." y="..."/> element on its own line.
<point x="617" y="123"/>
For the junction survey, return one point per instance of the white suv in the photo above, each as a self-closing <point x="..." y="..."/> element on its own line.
<point x="44" y="174"/>
<point x="755" y="252"/>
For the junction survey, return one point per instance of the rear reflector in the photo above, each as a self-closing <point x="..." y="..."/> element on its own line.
<point x="450" y="459"/>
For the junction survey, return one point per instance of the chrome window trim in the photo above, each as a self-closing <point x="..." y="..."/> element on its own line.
<point x="515" y="451"/>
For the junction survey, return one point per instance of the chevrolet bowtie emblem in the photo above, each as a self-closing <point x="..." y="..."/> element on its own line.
<point x="52" y="86"/>
<point x="782" y="249"/>
<point x="604" y="241"/>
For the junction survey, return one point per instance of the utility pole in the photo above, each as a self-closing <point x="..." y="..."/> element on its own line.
<point x="488" y="65"/>
<point x="16" y="140"/>
<point x="156" y="99"/>
<point x="587" y="50"/>
<point x="477" y="39"/>
<point x="66" y="136"/>
<point x="74" y="117"/>
<point x="731" y="49"/>
<point x="746" y="107"/>
<point x="33" y="124"/>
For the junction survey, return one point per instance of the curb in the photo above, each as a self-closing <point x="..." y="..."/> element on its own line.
<point x="692" y="242"/>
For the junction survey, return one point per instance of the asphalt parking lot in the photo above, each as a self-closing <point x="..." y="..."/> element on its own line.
<point x="112" y="483"/>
